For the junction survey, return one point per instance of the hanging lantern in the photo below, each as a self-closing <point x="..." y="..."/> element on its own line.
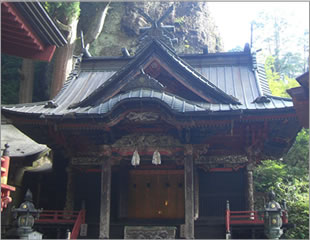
<point x="156" y="158"/>
<point x="135" y="161"/>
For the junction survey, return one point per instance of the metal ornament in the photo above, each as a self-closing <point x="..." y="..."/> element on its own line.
<point x="135" y="161"/>
<point x="156" y="160"/>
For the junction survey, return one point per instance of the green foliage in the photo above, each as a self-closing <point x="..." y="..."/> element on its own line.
<point x="65" y="12"/>
<point x="236" y="49"/>
<point x="293" y="188"/>
<point x="180" y="20"/>
<point x="278" y="83"/>
<point x="10" y="78"/>
<point x="288" y="177"/>
<point x="298" y="156"/>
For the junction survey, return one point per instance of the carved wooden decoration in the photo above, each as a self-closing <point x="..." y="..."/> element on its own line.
<point x="230" y="159"/>
<point x="142" y="116"/>
<point x="147" y="140"/>
<point x="86" y="160"/>
<point x="143" y="81"/>
<point x="137" y="232"/>
<point x="200" y="150"/>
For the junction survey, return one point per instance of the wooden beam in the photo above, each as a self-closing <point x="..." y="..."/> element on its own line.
<point x="189" y="192"/>
<point x="105" y="196"/>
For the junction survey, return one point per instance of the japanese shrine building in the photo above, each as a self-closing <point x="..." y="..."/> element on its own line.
<point x="158" y="139"/>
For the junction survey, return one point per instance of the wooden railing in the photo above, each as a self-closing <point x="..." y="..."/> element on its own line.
<point x="247" y="218"/>
<point x="64" y="217"/>
<point x="79" y="221"/>
<point x="57" y="216"/>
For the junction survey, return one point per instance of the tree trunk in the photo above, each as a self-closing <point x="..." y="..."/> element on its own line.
<point x="26" y="82"/>
<point x="97" y="24"/>
<point x="63" y="61"/>
<point x="93" y="26"/>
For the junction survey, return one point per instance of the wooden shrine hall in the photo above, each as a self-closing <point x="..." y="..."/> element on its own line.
<point x="153" y="145"/>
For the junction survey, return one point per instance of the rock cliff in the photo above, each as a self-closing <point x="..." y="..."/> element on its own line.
<point x="194" y="27"/>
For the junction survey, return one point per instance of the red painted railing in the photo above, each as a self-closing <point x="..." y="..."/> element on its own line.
<point x="57" y="216"/>
<point x="247" y="217"/>
<point x="60" y="217"/>
<point x="242" y="217"/>
<point x="5" y="189"/>
<point x="76" y="228"/>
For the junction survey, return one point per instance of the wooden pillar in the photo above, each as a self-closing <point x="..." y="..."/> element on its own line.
<point x="104" y="230"/>
<point x="69" y="205"/>
<point x="196" y="194"/>
<point x="123" y="192"/>
<point x="189" y="193"/>
<point x="26" y="82"/>
<point x="250" y="187"/>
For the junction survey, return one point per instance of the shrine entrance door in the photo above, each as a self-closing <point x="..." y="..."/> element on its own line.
<point x="156" y="194"/>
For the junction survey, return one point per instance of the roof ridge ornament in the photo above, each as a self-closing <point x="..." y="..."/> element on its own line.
<point x="85" y="52"/>
<point x="157" y="30"/>
<point x="143" y="80"/>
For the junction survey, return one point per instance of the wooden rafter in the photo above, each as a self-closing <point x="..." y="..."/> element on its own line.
<point x="12" y="19"/>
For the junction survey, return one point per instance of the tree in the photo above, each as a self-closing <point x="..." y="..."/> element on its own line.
<point x="290" y="52"/>
<point x="10" y="78"/>
<point x="288" y="186"/>
<point x="287" y="177"/>
<point x="278" y="82"/>
<point x="66" y="15"/>
<point x="236" y="49"/>
<point x="71" y="17"/>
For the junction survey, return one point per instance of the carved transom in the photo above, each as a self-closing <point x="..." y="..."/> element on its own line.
<point x="232" y="159"/>
<point x="147" y="140"/>
<point x="142" y="116"/>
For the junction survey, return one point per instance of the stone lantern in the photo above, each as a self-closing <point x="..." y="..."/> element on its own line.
<point x="26" y="214"/>
<point x="273" y="218"/>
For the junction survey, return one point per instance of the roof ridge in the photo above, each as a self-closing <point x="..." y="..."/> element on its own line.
<point x="72" y="75"/>
<point x="260" y="75"/>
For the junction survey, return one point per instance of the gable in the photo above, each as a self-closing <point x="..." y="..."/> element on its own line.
<point x="166" y="67"/>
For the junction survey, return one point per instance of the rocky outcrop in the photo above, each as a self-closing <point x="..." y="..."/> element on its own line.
<point x="194" y="27"/>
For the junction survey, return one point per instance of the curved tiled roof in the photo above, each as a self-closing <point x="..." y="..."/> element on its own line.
<point x="175" y="103"/>
<point x="231" y="73"/>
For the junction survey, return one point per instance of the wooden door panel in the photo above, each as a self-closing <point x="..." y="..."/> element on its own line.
<point x="156" y="194"/>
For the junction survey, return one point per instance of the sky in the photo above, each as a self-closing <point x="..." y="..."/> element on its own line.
<point x="234" y="18"/>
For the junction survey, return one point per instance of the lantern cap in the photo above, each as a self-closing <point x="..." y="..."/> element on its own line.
<point x="6" y="150"/>
<point x="28" y="195"/>
<point x="272" y="195"/>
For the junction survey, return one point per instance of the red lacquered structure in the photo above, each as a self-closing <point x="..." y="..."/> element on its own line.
<point x="5" y="188"/>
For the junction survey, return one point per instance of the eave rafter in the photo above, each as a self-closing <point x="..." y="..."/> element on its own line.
<point x="11" y="20"/>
